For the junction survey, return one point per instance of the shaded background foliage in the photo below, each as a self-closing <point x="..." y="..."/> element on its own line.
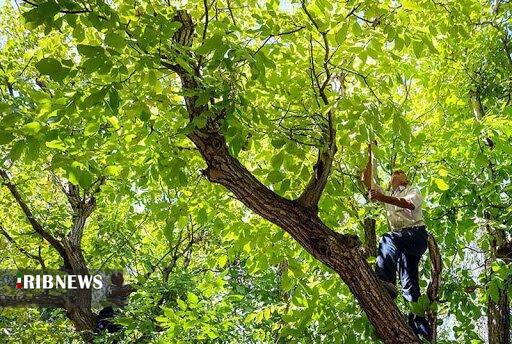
<point x="84" y="95"/>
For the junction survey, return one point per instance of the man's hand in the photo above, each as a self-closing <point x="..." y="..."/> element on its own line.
<point x="376" y="195"/>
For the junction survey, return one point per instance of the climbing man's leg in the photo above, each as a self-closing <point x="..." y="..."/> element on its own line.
<point x="386" y="262"/>
<point x="408" y="270"/>
<point x="414" y="245"/>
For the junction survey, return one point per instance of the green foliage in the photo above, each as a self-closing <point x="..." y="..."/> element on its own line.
<point x="84" y="94"/>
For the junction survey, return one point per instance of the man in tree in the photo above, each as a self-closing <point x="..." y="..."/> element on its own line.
<point x="404" y="244"/>
<point x="117" y="297"/>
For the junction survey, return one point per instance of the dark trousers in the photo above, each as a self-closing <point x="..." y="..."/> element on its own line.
<point x="404" y="249"/>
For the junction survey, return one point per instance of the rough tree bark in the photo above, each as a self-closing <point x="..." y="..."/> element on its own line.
<point x="434" y="284"/>
<point x="370" y="237"/>
<point x="498" y="313"/>
<point x="498" y="319"/>
<point x="299" y="218"/>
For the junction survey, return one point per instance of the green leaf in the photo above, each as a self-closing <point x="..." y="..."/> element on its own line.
<point x="202" y="99"/>
<point x="5" y="137"/>
<point x="183" y="306"/>
<point x="493" y="291"/>
<point x="48" y="9"/>
<point x="184" y="64"/>
<point x="211" y="334"/>
<point x="93" y="64"/>
<point x="145" y="114"/>
<point x="192" y="298"/>
<point x="90" y="129"/>
<point x="236" y="143"/>
<point x="114" y="121"/>
<point x="200" y="121"/>
<point x="222" y="261"/>
<point x="4" y="108"/>
<point x="17" y="150"/>
<point x="417" y="46"/>
<point x="31" y="128"/>
<point x="209" y="45"/>
<point x="114" y="40"/>
<point x="275" y="177"/>
<point x="125" y="321"/>
<point x="113" y="170"/>
<point x="277" y="160"/>
<point x="278" y="143"/>
<point x="285" y="185"/>
<point x="56" y="144"/>
<point x="90" y="50"/>
<point x="53" y="68"/>
<point x="113" y="100"/>
<point x="286" y="282"/>
<point x="95" y="97"/>
<point x="410" y="5"/>
<point x="341" y="35"/>
<point x="441" y="184"/>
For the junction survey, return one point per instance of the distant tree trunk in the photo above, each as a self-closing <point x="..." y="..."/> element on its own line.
<point x="77" y="303"/>
<point x="434" y="284"/>
<point x="498" y="319"/>
<point x="498" y="313"/>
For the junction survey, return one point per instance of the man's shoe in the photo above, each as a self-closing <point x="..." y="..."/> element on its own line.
<point x="420" y="326"/>
<point x="390" y="288"/>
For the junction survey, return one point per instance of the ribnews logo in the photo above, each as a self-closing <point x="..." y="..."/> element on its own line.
<point x="56" y="281"/>
<point x="19" y="285"/>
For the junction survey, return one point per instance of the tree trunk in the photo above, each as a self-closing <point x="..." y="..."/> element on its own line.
<point x="498" y="319"/>
<point x="498" y="313"/>
<point x="79" y="301"/>
<point x="434" y="285"/>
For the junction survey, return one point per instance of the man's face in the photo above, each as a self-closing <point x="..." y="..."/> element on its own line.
<point x="397" y="179"/>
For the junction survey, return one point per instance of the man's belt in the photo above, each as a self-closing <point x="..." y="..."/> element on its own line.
<point x="413" y="227"/>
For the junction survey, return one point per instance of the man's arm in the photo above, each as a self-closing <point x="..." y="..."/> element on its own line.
<point x="368" y="177"/>
<point x="399" y="202"/>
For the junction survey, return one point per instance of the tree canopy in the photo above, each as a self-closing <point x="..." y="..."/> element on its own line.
<point x="212" y="151"/>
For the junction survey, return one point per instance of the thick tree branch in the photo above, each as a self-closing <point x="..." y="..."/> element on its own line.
<point x="322" y="169"/>
<point x="504" y="251"/>
<point x="476" y="103"/>
<point x="323" y="166"/>
<point x="496" y="7"/>
<point x="81" y="206"/>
